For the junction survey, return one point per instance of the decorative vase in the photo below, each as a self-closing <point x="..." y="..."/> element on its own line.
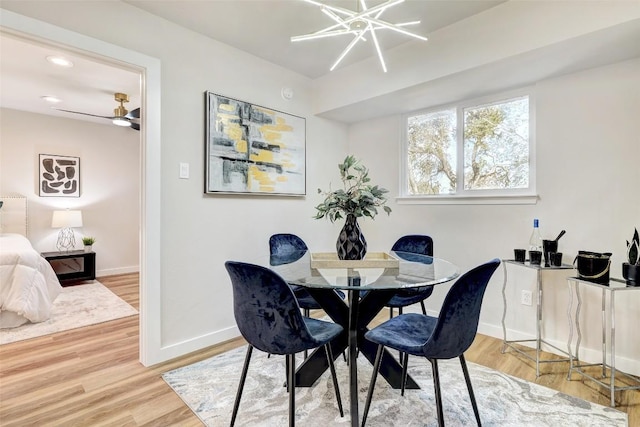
<point x="631" y="273"/>
<point x="87" y="248"/>
<point x="351" y="244"/>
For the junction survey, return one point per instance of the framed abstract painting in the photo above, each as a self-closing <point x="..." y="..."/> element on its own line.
<point x="252" y="149"/>
<point x="59" y="176"/>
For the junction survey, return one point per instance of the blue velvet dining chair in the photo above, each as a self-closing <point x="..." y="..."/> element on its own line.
<point x="415" y="244"/>
<point x="269" y="318"/>
<point x="445" y="337"/>
<point x="285" y="248"/>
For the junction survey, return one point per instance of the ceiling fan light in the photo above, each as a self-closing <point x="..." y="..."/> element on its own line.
<point x="121" y="121"/>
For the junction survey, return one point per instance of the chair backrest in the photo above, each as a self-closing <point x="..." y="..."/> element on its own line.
<point x="266" y="311"/>
<point x="460" y="313"/>
<point x="414" y="243"/>
<point x="285" y="248"/>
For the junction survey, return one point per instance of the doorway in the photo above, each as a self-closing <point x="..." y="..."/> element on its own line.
<point x="150" y="173"/>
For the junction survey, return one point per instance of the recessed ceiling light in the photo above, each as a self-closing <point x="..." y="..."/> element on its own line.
<point x="59" y="60"/>
<point x="51" y="99"/>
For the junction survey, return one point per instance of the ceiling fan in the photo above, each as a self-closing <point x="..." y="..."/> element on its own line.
<point x="121" y="116"/>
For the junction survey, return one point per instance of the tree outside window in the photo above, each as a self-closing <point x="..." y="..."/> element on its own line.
<point x="492" y="140"/>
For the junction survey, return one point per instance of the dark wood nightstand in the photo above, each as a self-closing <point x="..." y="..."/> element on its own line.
<point x="72" y="265"/>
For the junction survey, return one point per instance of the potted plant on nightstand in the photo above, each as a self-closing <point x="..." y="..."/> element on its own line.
<point x="88" y="243"/>
<point x="631" y="269"/>
<point x="357" y="199"/>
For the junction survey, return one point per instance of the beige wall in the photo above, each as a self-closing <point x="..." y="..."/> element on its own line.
<point x="109" y="182"/>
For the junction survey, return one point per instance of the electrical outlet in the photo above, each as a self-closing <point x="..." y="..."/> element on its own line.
<point x="525" y="299"/>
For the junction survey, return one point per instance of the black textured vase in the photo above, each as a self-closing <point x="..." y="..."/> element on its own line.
<point x="351" y="243"/>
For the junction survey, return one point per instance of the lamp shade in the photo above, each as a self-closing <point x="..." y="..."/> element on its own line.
<point x="66" y="219"/>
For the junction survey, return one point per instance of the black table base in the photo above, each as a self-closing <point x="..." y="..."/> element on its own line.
<point x="354" y="316"/>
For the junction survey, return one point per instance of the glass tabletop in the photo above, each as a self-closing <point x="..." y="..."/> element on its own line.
<point x="410" y="271"/>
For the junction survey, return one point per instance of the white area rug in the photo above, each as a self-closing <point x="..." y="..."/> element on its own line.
<point x="76" y="306"/>
<point x="209" y="388"/>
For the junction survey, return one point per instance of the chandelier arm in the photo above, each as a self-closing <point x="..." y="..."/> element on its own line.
<point x="333" y="16"/>
<point x="352" y="17"/>
<point x="395" y="28"/>
<point x="344" y="52"/>
<point x="332" y="8"/>
<point x="377" y="45"/>
<point x="322" y="35"/>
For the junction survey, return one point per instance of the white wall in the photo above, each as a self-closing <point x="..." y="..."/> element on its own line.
<point x="587" y="164"/>
<point x="109" y="182"/>
<point x="199" y="233"/>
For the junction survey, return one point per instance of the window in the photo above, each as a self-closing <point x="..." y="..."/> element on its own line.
<point x="476" y="149"/>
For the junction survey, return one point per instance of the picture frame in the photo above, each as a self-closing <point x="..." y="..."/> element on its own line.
<point x="253" y="150"/>
<point x="59" y="176"/>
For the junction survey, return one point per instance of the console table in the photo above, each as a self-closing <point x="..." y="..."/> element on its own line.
<point x="538" y="339"/>
<point x="612" y="288"/>
<point x="72" y="265"/>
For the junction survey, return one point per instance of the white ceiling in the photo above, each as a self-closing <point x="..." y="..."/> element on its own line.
<point x="263" y="28"/>
<point x="88" y="86"/>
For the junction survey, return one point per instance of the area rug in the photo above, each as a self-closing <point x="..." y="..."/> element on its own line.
<point x="209" y="388"/>
<point x="76" y="306"/>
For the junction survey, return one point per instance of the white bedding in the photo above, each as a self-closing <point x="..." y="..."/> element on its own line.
<point x="28" y="284"/>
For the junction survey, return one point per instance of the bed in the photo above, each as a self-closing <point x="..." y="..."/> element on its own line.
<point x="28" y="284"/>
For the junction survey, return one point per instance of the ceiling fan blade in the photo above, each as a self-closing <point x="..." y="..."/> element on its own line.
<point x="135" y="126"/>
<point x="84" y="114"/>
<point x="134" y="114"/>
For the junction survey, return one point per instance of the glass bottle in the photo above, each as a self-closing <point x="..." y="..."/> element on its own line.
<point x="535" y="241"/>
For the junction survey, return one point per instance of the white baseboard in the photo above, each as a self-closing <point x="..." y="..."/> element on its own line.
<point x="172" y="351"/>
<point x="587" y="355"/>
<point x="116" y="271"/>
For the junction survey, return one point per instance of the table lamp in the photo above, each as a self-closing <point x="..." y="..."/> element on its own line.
<point x="66" y="220"/>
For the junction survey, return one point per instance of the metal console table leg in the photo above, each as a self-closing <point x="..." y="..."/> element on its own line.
<point x="538" y="340"/>
<point x="612" y="287"/>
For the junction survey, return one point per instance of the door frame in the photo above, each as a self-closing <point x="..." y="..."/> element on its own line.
<point x="150" y="162"/>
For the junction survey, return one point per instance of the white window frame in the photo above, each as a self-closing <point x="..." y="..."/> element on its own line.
<point x="462" y="196"/>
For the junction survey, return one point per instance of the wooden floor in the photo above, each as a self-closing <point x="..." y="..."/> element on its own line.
<point x="91" y="376"/>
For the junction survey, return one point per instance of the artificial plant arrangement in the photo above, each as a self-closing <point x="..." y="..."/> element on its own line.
<point x="88" y="241"/>
<point x="631" y="269"/>
<point x="358" y="198"/>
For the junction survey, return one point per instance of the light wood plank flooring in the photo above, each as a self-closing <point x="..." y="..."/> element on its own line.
<point x="91" y="376"/>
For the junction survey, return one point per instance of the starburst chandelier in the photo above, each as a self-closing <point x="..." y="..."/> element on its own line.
<point x="358" y="24"/>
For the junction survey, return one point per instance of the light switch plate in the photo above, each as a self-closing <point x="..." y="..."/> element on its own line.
<point x="184" y="170"/>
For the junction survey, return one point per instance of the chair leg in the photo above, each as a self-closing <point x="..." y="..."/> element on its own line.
<point x="463" y="362"/>
<point x="327" y="348"/>
<point x="306" y="313"/>
<point x="243" y="377"/>
<point x="291" y="374"/>
<point x="390" y="312"/>
<point x="372" y="383"/>
<point x="424" y="310"/>
<point x="286" y="372"/>
<point x="436" y="386"/>
<point x="405" y="365"/>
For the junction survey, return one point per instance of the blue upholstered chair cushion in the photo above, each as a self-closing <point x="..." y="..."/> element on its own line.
<point x="452" y="332"/>
<point x="268" y="314"/>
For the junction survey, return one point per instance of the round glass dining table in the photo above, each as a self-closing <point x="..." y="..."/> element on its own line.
<point x="370" y="284"/>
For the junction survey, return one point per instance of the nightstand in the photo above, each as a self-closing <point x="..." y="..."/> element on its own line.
<point x="72" y="265"/>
